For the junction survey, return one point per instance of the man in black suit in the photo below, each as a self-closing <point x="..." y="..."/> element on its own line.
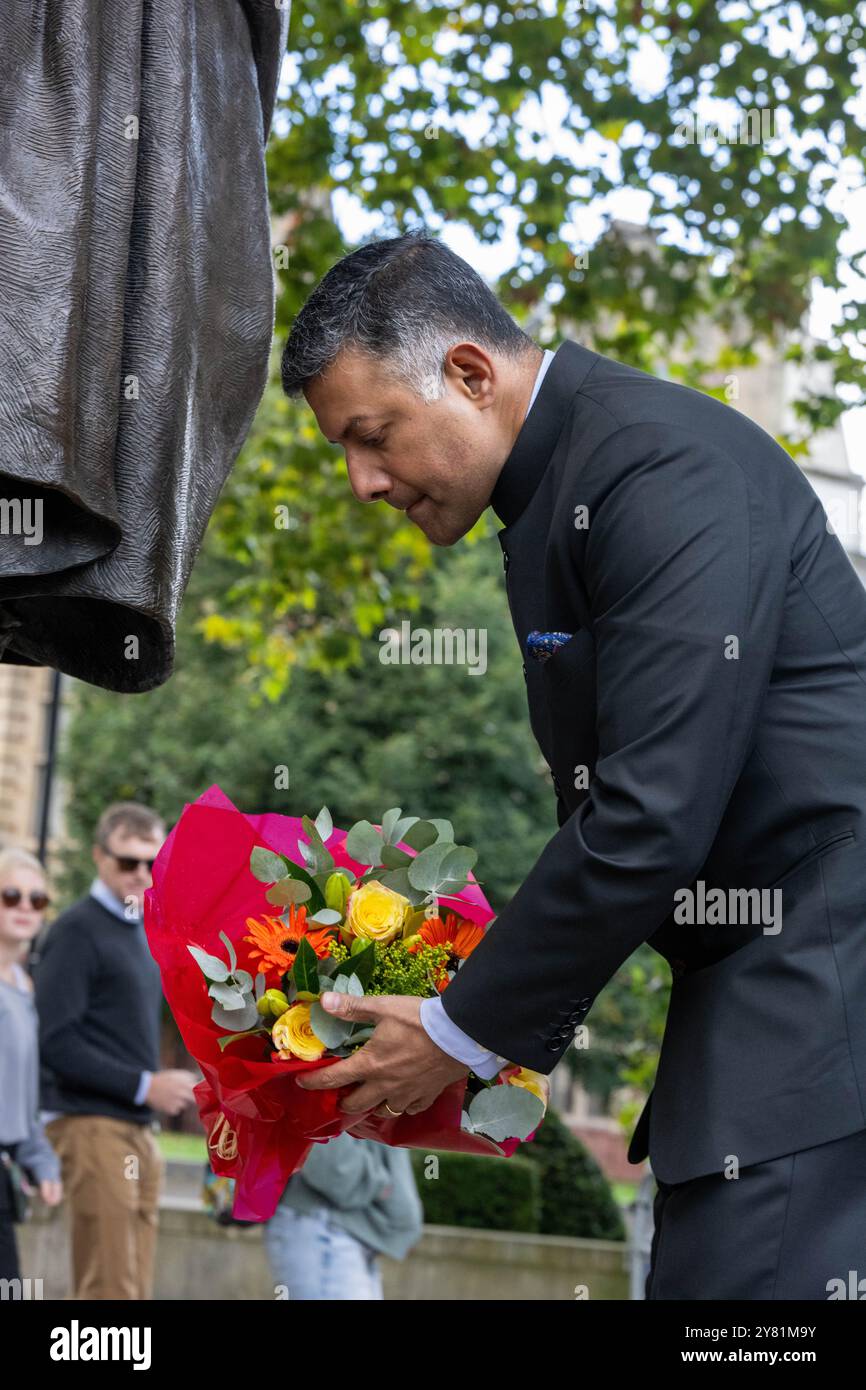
<point x="694" y="641"/>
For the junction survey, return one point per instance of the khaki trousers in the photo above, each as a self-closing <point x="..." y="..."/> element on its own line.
<point x="112" y="1174"/>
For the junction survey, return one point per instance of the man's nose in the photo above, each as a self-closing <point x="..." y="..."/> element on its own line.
<point x="368" y="482"/>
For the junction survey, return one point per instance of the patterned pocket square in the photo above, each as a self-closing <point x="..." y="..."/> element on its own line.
<point x="542" y="645"/>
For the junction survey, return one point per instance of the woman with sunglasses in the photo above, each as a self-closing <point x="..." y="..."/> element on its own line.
<point x="23" y="1145"/>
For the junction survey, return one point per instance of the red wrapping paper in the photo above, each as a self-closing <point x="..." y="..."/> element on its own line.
<point x="260" y="1125"/>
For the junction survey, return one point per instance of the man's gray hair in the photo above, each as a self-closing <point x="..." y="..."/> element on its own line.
<point x="404" y="301"/>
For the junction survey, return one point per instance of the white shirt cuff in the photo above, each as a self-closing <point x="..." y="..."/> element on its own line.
<point x="143" y="1085"/>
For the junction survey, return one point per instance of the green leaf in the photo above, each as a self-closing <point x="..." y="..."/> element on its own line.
<point x="389" y="820"/>
<point x="398" y="879"/>
<point x="394" y="858"/>
<point x="292" y="870"/>
<point x="328" y="1028"/>
<point x="364" y="843"/>
<point x="235" y="1020"/>
<point x="305" y="973"/>
<point x="444" y="829"/>
<point x="266" y="866"/>
<point x="420" y="835"/>
<point x="324" y="824"/>
<point x="361" y="965"/>
<point x="211" y="966"/>
<point x="326" y="917"/>
<point x="289" y="891"/>
<point x="505" y="1112"/>
<point x="233" y="960"/>
<point x="231" y="998"/>
<point x="425" y="871"/>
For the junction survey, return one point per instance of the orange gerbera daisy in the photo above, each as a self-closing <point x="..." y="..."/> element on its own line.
<point x="461" y="937"/>
<point x="276" y="941"/>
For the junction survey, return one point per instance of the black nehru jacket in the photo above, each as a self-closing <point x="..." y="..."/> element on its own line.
<point x="99" y="996"/>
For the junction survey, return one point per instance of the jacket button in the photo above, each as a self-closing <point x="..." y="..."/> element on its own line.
<point x="584" y="1003"/>
<point x="553" y="1044"/>
<point x="506" y="559"/>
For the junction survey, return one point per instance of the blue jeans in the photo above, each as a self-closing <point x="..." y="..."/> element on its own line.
<point x="313" y="1257"/>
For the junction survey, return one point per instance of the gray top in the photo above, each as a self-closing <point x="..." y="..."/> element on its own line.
<point x="19" y="1080"/>
<point x="368" y="1188"/>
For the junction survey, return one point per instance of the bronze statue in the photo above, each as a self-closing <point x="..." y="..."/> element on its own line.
<point x="136" y="295"/>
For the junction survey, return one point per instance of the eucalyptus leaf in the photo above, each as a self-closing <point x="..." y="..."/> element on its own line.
<point x="425" y="871"/>
<point x="227" y="995"/>
<point x="323" y="859"/>
<point x="235" y="1020"/>
<point x="505" y="1112"/>
<point x="364" y="843"/>
<point x="444" y="829"/>
<point x="266" y="866"/>
<point x="324" y="824"/>
<point x="326" y="917"/>
<point x="420" y="835"/>
<point x="399" y="832"/>
<point x="460" y="862"/>
<point x="260" y="985"/>
<point x="288" y="891"/>
<point x="243" y="979"/>
<point x="308" y="854"/>
<point x="398" y="879"/>
<point x="297" y="871"/>
<point x="362" y="1033"/>
<point x="389" y="820"/>
<point x="233" y="960"/>
<point x="328" y="1028"/>
<point x="211" y="966"/>
<point x="394" y="858"/>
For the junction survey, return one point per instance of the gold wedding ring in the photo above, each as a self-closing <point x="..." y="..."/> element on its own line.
<point x="390" y="1111"/>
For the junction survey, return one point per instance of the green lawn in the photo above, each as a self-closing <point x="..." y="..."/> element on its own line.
<point x="190" y="1146"/>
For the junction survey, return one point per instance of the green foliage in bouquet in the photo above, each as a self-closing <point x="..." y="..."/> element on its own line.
<point x="360" y="933"/>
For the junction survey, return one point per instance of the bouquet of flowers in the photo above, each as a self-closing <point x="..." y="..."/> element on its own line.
<point x="251" y="918"/>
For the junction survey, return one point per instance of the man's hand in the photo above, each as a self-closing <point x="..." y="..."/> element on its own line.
<point x="171" y="1091"/>
<point x="400" y="1064"/>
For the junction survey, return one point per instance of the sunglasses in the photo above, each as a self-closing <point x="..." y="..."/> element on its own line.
<point x="127" y="864"/>
<point x="11" y="897"/>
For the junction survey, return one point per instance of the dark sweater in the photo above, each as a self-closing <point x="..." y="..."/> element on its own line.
<point x="98" y="996"/>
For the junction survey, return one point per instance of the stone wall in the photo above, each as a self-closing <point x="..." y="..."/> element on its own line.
<point x="199" y="1260"/>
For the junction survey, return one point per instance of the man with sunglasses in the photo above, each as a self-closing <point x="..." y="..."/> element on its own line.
<point x="99" y="999"/>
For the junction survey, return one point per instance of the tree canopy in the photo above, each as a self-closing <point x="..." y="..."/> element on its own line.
<point x="527" y="122"/>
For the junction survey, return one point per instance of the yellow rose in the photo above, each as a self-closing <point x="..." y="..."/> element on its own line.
<point x="376" y="913"/>
<point x="532" y="1081"/>
<point x="293" y="1035"/>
